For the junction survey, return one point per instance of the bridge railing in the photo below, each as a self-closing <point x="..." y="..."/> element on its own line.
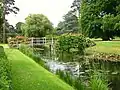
<point x="31" y="41"/>
<point x="41" y="41"/>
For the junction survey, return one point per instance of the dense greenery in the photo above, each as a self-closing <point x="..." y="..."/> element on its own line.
<point x="100" y="18"/>
<point x="72" y="45"/>
<point x="18" y="28"/>
<point x="96" y="81"/>
<point x="70" y="21"/>
<point x="37" y="25"/>
<point x="70" y="24"/>
<point x="5" y="78"/>
<point x="6" y="7"/>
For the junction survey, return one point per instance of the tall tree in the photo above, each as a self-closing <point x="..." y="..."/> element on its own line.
<point x="1" y="21"/>
<point x="70" y="23"/>
<point x="10" y="7"/>
<point x="76" y="7"/>
<point x="7" y="6"/>
<point x="37" y="25"/>
<point x="10" y="30"/>
<point x="95" y="15"/>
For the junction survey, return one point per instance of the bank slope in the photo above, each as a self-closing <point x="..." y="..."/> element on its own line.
<point x="28" y="75"/>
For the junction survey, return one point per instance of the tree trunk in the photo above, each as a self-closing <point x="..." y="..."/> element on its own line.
<point x="4" y="33"/>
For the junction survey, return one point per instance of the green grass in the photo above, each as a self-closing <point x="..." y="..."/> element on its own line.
<point x="106" y="47"/>
<point x="28" y="75"/>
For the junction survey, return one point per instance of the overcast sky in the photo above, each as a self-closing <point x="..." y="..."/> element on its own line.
<point x="53" y="9"/>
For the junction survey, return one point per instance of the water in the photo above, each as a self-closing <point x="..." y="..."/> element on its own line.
<point x="72" y="67"/>
<point x="112" y="68"/>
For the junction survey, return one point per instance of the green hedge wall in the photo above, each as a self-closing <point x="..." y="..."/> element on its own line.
<point x="5" y="79"/>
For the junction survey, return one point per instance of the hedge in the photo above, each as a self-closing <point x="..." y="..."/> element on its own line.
<point x="5" y="79"/>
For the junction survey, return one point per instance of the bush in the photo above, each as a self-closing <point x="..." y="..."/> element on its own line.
<point x="72" y="45"/>
<point x="5" y="78"/>
<point x="14" y="42"/>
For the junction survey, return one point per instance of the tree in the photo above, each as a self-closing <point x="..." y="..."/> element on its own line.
<point x="10" y="30"/>
<point x="18" y="28"/>
<point x="1" y="21"/>
<point x="37" y="25"/>
<point x="10" y="7"/>
<point x="95" y="15"/>
<point x="70" y="23"/>
<point x="6" y="7"/>
<point x="76" y="7"/>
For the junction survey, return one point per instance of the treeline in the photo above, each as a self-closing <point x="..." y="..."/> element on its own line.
<point x="93" y="18"/>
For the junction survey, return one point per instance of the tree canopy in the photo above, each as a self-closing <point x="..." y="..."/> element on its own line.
<point x="98" y="18"/>
<point x="18" y="28"/>
<point x="6" y="7"/>
<point x="37" y="25"/>
<point x="70" y="23"/>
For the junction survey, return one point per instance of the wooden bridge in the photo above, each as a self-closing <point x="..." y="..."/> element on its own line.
<point x="41" y="41"/>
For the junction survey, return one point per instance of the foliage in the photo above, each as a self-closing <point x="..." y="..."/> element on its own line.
<point x="18" y="27"/>
<point x="70" y="21"/>
<point x="70" y="24"/>
<point x="73" y="44"/>
<point x="98" y="18"/>
<point x="10" y="7"/>
<point x="6" y="7"/>
<point x="98" y="82"/>
<point x="68" y="78"/>
<point x="5" y="78"/>
<point x="15" y="42"/>
<point x="76" y="7"/>
<point x="1" y="21"/>
<point x="9" y="30"/>
<point x="37" y="25"/>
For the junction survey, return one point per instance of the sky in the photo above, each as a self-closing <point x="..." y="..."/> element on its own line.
<point x="53" y="9"/>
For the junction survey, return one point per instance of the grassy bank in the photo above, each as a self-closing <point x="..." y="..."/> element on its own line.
<point x="106" y="47"/>
<point x="28" y="75"/>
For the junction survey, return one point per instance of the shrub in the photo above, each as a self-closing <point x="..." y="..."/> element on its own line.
<point x="14" y="42"/>
<point x="72" y="45"/>
<point x="5" y="78"/>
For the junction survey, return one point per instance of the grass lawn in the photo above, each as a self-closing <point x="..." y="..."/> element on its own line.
<point x="28" y="75"/>
<point x="106" y="47"/>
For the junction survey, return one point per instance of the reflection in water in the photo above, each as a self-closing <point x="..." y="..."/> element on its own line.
<point x="112" y="68"/>
<point x="72" y="67"/>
